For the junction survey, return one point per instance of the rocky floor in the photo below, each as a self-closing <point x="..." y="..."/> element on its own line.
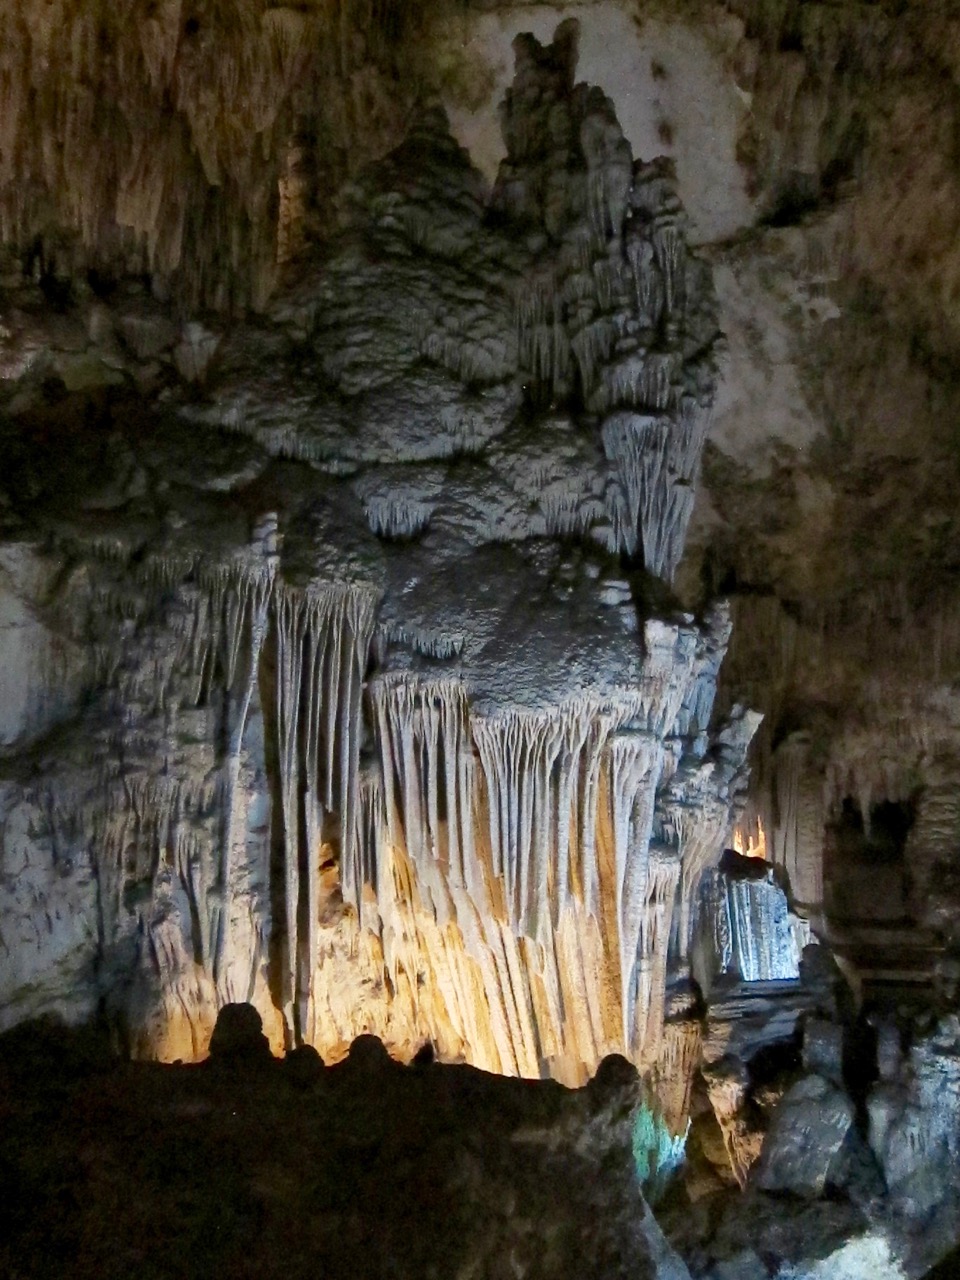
<point x="249" y="1166"/>
<point x="246" y="1165"/>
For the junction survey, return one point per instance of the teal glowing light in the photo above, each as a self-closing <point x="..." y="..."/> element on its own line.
<point x="657" y="1153"/>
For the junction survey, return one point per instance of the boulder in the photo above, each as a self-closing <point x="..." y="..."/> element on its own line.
<point x="806" y="1134"/>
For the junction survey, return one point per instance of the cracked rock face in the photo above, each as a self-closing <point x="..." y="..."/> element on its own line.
<point x="388" y="722"/>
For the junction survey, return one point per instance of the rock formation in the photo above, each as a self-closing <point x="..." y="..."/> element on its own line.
<point x="368" y="1167"/>
<point x="361" y="709"/>
<point x="746" y="929"/>
<point x="413" y="461"/>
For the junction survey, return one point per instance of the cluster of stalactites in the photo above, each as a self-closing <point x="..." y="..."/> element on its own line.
<point x="427" y="774"/>
<point x="606" y="314"/>
<point x="178" y="824"/>
<point x="525" y="826"/>
<point x="656" y="459"/>
<point x="322" y="642"/>
<point x="539" y="857"/>
<point x="177" y="132"/>
<point x="191" y="824"/>
<point x="608" y="307"/>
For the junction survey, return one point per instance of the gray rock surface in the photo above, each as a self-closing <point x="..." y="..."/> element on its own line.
<point x="744" y="927"/>
<point x="807" y="1132"/>
<point x="914" y="1131"/>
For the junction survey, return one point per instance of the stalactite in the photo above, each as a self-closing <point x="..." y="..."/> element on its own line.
<point x="538" y="867"/>
<point x="289" y="621"/>
<point x="670" y="252"/>
<point x="432" y="644"/>
<point x="394" y="518"/>
<point x="242" y="600"/>
<point x="656" y="460"/>
<point x="543" y="345"/>
<point x="153" y="167"/>
<point x="636" y="763"/>
<point x="542" y="780"/>
<point x="746" y="928"/>
<point x="314" y="795"/>
<point x="322" y="640"/>
<point x="796" y="824"/>
<point x="647" y="280"/>
<point x="652" y="952"/>
<point x="763" y="939"/>
<point x="422" y="731"/>
<point x="592" y="346"/>
<point x="371" y="834"/>
<point x="676" y="1071"/>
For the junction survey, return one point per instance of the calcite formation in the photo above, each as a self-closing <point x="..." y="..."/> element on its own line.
<point x="746" y="933"/>
<point x="351" y="683"/>
<point x="192" y="141"/>
<point x="364" y="531"/>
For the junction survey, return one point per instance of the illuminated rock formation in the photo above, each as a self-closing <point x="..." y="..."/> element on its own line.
<point x="745" y="926"/>
<point x="361" y="542"/>
<point x="383" y="733"/>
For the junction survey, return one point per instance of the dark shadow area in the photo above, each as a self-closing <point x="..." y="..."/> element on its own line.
<point x="249" y="1166"/>
<point x="865" y="869"/>
<point x="238" y="1036"/>
<point x="947" y="1269"/>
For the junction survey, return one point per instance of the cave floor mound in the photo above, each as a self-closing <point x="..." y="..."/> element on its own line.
<point x="254" y="1166"/>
